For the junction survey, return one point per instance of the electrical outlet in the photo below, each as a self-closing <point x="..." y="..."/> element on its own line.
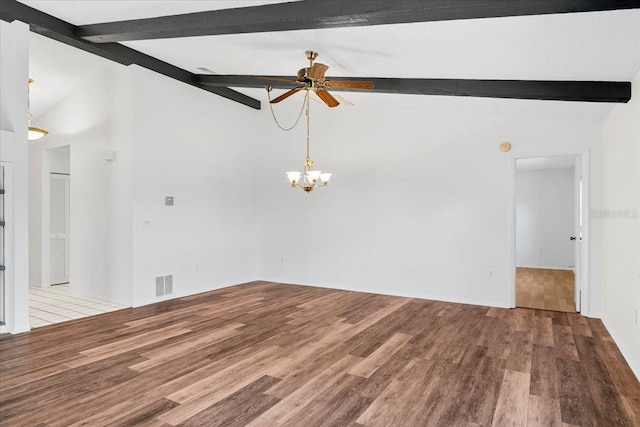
<point x="637" y="318"/>
<point x="490" y="273"/>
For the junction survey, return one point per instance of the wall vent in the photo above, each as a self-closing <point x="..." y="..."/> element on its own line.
<point x="159" y="286"/>
<point x="164" y="285"/>
<point x="168" y="284"/>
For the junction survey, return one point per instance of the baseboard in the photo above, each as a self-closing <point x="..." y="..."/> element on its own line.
<point x="188" y="293"/>
<point x="485" y="303"/>
<point x="627" y="356"/>
<point x="4" y="329"/>
<point x="545" y="268"/>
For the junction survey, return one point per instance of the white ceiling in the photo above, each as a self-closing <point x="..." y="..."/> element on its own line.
<point x="577" y="46"/>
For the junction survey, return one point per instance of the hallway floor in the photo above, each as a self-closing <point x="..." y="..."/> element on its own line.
<point x="545" y="289"/>
<point x="56" y="304"/>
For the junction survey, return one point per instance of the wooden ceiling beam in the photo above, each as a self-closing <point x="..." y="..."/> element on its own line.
<point x="555" y="90"/>
<point x="316" y="14"/>
<point x="62" y="31"/>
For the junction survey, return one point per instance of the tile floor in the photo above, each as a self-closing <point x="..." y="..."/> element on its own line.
<point x="55" y="304"/>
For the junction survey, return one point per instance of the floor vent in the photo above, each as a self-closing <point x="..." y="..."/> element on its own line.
<point x="164" y="285"/>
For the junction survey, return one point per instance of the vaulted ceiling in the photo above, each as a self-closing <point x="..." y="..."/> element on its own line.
<point x="543" y="49"/>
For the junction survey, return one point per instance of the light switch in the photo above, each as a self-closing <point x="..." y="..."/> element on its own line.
<point x="168" y="200"/>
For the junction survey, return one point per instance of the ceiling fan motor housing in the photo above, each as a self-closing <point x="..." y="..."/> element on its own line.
<point x="303" y="74"/>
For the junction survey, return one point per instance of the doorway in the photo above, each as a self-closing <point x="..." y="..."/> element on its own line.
<point x="59" y="258"/>
<point x="548" y="223"/>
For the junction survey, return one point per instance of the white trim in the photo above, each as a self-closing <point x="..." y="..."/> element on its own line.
<point x="10" y="325"/>
<point x="583" y="154"/>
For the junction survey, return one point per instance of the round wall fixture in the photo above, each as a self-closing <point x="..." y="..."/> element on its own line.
<point x="505" y="146"/>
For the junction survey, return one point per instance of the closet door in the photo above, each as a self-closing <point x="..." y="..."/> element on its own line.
<point x="59" y="229"/>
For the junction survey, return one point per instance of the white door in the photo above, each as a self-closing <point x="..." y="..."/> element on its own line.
<point x="59" y="247"/>
<point x="578" y="231"/>
<point x="2" y="243"/>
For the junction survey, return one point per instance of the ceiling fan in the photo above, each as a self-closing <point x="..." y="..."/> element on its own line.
<point x="312" y="78"/>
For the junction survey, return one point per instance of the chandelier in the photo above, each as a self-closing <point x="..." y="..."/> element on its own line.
<point x="309" y="178"/>
<point x="35" y="132"/>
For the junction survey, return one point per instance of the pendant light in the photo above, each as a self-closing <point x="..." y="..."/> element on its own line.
<point x="35" y="132"/>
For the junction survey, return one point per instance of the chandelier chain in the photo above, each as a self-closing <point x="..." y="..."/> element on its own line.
<point x="273" y="114"/>
<point x="306" y="99"/>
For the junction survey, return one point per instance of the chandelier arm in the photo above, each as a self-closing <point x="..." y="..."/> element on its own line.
<point x="273" y="114"/>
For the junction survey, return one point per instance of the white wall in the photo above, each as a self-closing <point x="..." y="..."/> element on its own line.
<point x="544" y="218"/>
<point x="94" y="118"/>
<point x="14" y="54"/>
<point x="169" y="139"/>
<point x="59" y="161"/>
<point x="419" y="204"/>
<point x="201" y="149"/>
<point x="621" y="218"/>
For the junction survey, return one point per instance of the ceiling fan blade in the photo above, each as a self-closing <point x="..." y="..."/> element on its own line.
<point x="327" y="97"/>
<point x="317" y="71"/>
<point x="349" y="84"/>
<point x="315" y="98"/>
<point x="286" y="95"/>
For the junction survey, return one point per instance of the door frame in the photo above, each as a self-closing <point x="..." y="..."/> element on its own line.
<point x="583" y="247"/>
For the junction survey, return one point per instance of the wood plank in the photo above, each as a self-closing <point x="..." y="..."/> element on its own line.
<point x="455" y="407"/>
<point x="167" y="353"/>
<point x="513" y="402"/>
<point x="632" y="409"/>
<point x="121" y="346"/>
<point x="543" y="412"/>
<point x="379" y="412"/>
<point x="543" y="331"/>
<point x="576" y="402"/>
<point x="544" y="377"/>
<point x="565" y="346"/>
<point x="288" y="407"/>
<point x="521" y="351"/>
<point x="485" y="390"/>
<point x="339" y="405"/>
<point x="144" y="415"/>
<point x="209" y="391"/>
<point x="371" y="364"/>
<point x="239" y="409"/>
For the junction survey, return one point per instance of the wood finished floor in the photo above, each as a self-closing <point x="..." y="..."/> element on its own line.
<point x="545" y="289"/>
<point x="267" y="354"/>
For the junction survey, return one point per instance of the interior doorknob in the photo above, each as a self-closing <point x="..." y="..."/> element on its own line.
<point x="572" y="237"/>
